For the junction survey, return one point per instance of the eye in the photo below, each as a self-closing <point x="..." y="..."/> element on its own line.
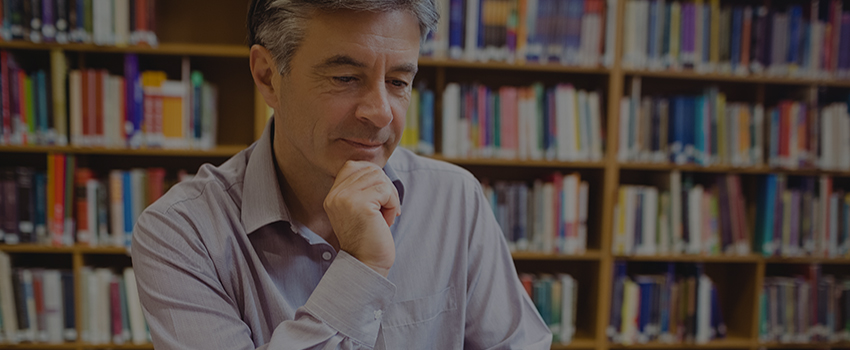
<point x="345" y="79"/>
<point x="399" y="83"/>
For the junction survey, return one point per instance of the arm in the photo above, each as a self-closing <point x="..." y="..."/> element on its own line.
<point x="500" y="314"/>
<point x="187" y="307"/>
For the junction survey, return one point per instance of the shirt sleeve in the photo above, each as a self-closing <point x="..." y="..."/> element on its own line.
<point x="500" y="314"/>
<point x="187" y="307"/>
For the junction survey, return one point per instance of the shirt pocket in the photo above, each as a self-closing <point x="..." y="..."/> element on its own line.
<point x="425" y="322"/>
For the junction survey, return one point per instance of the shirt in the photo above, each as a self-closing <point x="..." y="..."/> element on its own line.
<point x="221" y="265"/>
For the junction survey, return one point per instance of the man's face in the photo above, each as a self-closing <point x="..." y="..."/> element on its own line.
<point x="347" y="90"/>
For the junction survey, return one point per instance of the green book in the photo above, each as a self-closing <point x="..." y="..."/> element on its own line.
<point x="29" y="107"/>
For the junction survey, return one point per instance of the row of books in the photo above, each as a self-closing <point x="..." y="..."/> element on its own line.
<point x="808" y="307"/>
<point x="569" y="32"/>
<point x="68" y="205"/>
<point x="686" y="129"/>
<point x="556" y="299"/>
<point x="679" y="305"/>
<point x="96" y="109"/>
<point x="548" y="217"/>
<point x="834" y="143"/>
<point x="686" y="218"/>
<point x="36" y="305"/>
<point x="111" y="310"/>
<point x="792" y="40"/>
<point x="558" y="123"/>
<point x="418" y="133"/>
<point x="802" y="216"/>
<point x="102" y="22"/>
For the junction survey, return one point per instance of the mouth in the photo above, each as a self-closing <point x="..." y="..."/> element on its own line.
<point x="363" y="144"/>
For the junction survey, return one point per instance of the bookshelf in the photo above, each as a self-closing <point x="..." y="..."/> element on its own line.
<point x="214" y="43"/>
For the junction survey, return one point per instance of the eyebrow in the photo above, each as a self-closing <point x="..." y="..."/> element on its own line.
<point x="345" y="60"/>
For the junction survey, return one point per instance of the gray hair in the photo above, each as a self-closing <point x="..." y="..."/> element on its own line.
<point x="279" y="24"/>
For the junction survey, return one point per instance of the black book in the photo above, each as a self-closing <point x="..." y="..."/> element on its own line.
<point x="20" y="302"/>
<point x="68" y="303"/>
<point x="35" y="20"/>
<point x="10" y="206"/>
<point x="26" y="18"/>
<point x="16" y="11"/>
<point x="62" y="23"/>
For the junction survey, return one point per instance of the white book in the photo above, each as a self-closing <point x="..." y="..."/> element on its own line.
<point x="122" y="22"/>
<point x="53" y="306"/>
<point x="441" y="35"/>
<point x="676" y="211"/>
<point x="664" y="238"/>
<point x="134" y="308"/>
<point x="793" y="156"/>
<point x="583" y="132"/>
<point x="629" y="59"/>
<point x="85" y="308"/>
<point x="209" y="116"/>
<point x="703" y="325"/>
<point x="471" y="42"/>
<point x="536" y="115"/>
<point x="75" y="86"/>
<point x="565" y="122"/>
<point x="111" y="124"/>
<point x="451" y="115"/>
<point x="522" y="125"/>
<point x="617" y="242"/>
<point x="7" y="300"/>
<point x="832" y="247"/>
<point x="99" y="287"/>
<point x="757" y="152"/>
<point x="593" y="103"/>
<point x="695" y="220"/>
<point x="650" y="211"/>
<point x="30" y="334"/>
<point x="584" y="195"/>
<point x="89" y="235"/>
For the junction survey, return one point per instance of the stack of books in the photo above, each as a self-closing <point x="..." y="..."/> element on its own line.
<point x="548" y="217"/>
<point x="559" y="123"/>
<point x="111" y="309"/>
<point x="556" y="299"/>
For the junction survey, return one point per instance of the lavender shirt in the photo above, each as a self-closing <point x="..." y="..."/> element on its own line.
<point x="221" y="265"/>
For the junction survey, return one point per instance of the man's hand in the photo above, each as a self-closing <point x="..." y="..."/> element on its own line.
<point x="362" y="205"/>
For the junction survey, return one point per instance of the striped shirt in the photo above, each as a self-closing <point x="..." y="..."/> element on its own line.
<point x="220" y="264"/>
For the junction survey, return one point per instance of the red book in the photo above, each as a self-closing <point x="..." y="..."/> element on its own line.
<point x="101" y="75"/>
<point x="58" y="225"/>
<point x="141" y="15"/>
<point x="527" y="283"/>
<point x="38" y="290"/>
<point x="89" y="105"/>
<point x="4" y="86"/>
<point x="84" y="227"/>
<point x="156" y="184"/>
<point x="115" y="310"/>
<point x="122" y="100"/>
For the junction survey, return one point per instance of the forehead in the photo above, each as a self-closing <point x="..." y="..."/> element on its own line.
<point x="393" y="32"/>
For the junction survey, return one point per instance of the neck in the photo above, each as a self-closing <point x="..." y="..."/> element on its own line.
<point x="304" y="190"/>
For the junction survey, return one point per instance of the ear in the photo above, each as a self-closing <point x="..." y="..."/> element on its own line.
<point x="264" y="71"/>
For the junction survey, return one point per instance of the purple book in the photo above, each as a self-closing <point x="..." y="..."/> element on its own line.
<point x="48" y="20"/>
<point x="688" y="12"/>
<point x="844" y="45"/>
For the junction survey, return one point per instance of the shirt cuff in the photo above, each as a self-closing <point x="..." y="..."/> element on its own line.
<point x="351" y="298"/>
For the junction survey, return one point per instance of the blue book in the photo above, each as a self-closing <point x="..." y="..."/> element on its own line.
<point x="795" y="19"/>
<point x="81" y="20"/>
<point x="68" y="305"/>
<point x="699" y="131"/>
<point x="778" y="210"/>
<point x="7" y="20"/>
<point x="127" y="190"/>
<point x="690" y="128"/>
<point x="615" y="316"/>
<point x="717" y="324"/>
<point x="645" y="305"/>
<point x="456" y="17"/>
<point x="480" y="44"/>
<point x="735" y="47"/>
<point x="706" y="34"/>
<point x="805" y="54"/>
<point x="551" y="135"/>
<point x="426" y="121"/>
<point x="572" y="35"/>
<point x="677" y="128"/>
<point x="666" y="293"/>
<point x="774" y="135"/>
<point x="665" y="36"/>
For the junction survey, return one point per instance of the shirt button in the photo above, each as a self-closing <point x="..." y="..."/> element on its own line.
<point x="327" y="256"/>
<point x="378" y="314"/>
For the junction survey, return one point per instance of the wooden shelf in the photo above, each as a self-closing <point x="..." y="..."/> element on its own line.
<point x="729" y="169"/>
<point x="589" y="255"/>
<point x="552" y="68"/>
<point x="576" y="344"/>
<point x="220" y="151"/>
<point x="728" y="343"/>
<point x="691" y="258"/>
<point x="46" y="249"/>
<point x="113" y="346"/>
<point x="774" y="345"/>
<point x="520" y="163"/>
<point x="751" y="79"/>
<point x="178" y="49"/>
<point x="39" y="346"/>
<point x="807" y="260"/>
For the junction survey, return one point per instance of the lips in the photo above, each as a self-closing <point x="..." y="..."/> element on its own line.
<point x="363" y="143"/>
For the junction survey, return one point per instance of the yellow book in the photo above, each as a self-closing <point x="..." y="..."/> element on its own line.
<point x="675" y="30"/>
<point x="714" y="45"/>
<point x="410" y="139"/>
<point x="173" y="128"/>
<point x="59" y="74"/>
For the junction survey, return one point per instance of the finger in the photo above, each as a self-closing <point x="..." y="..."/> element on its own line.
<point x="390" y="203"/>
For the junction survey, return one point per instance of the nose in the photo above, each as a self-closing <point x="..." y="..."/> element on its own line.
<point x="374" y="106"/>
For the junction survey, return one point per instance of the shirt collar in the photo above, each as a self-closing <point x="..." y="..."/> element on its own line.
<point x="262" y="200"/>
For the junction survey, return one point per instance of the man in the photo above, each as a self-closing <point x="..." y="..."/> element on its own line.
<point x="322" y="235"/>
